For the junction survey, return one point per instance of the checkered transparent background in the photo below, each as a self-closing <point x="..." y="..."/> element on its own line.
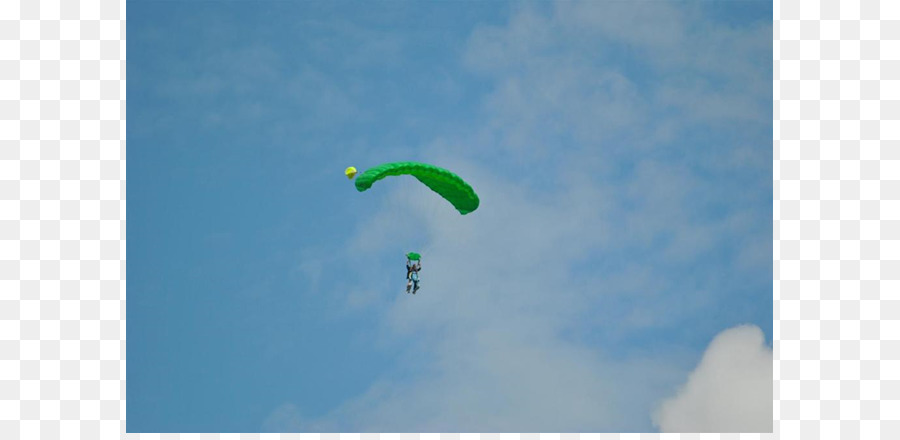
<point x="62" y="225"/>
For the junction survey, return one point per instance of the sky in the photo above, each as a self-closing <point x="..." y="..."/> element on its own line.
<point x="615" y="278"/>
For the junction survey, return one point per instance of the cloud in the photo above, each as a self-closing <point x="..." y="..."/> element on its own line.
<point x="286" y="418"/>
<point x="729" y="391"/>
<point x="620" y="76"/>
<point x="497" y="380"/>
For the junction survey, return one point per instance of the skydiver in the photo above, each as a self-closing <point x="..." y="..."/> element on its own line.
<point x="412" y="275"/>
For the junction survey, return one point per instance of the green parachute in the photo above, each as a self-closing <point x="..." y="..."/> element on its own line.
<point x="448" y="185"/>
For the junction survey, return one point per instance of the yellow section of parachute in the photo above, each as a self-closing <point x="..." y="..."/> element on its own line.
<point x="350" y="172"/>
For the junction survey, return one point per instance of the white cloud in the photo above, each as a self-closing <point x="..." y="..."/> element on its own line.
<point x="620" y="75"/>
<point x="286" y="418"/>
<point x="729" y="391"/>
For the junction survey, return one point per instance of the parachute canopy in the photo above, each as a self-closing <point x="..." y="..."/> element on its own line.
<point x="412" y="256"/>
<point x="448" y="185"/>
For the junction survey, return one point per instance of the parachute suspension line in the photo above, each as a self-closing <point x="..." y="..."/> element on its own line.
<point x="433" y="207"/>
<point x="407" y="197"/>
<point x="415" y="206"/>
<point x="410" y="197"/>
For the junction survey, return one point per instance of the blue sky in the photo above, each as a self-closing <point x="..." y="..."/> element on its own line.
<point x="622" y="152"/>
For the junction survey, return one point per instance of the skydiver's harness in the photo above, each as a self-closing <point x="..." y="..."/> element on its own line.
<point x="412" y="272"/>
